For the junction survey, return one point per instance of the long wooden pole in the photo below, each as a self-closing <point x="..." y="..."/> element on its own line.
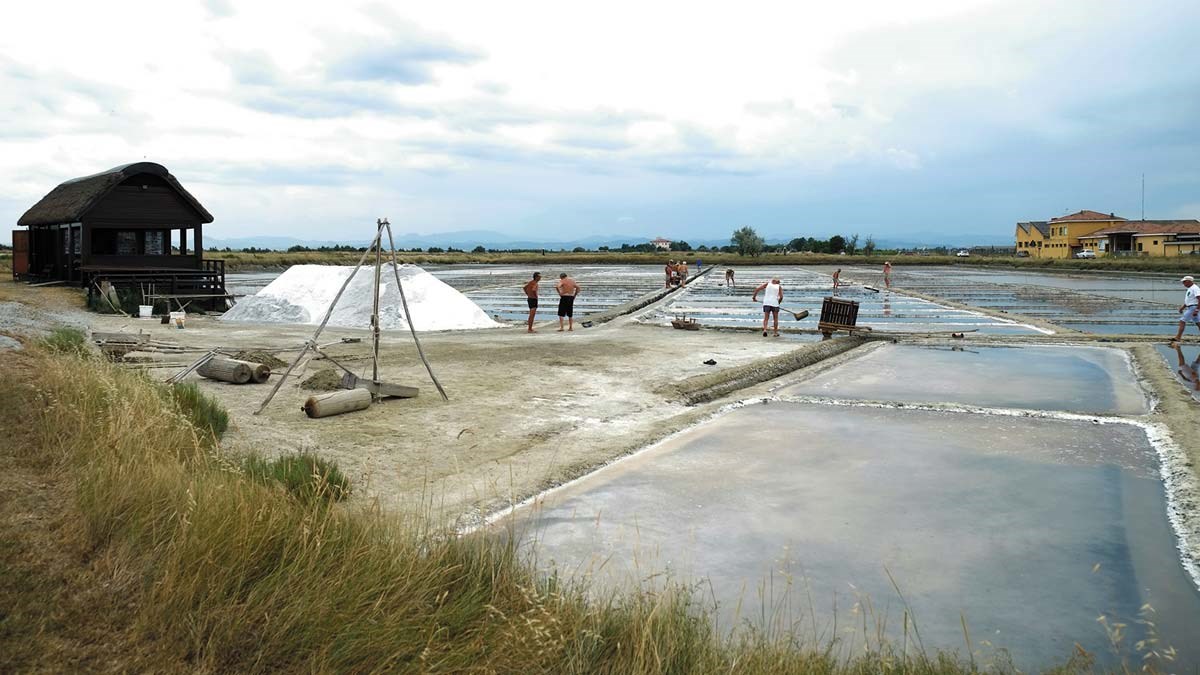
<point x="408" y="315"/>
<point x="375" y="305"/>
<point x="312" y="342"/>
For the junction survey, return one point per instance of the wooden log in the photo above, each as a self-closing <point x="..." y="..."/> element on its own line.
<point x="226" y="370"/>
<point x="337" y="402"/>
<point x="259" y="372"/>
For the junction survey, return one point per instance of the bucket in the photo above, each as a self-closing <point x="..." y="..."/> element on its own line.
<point x="145" y="311"/>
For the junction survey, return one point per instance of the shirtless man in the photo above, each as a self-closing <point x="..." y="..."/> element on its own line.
<point x="836" y="274"/>
<point x="567" y="291"/>
<point x="681" y="271"/>
<point x="669" y="271"/>
<point x="531" y="297"/>
<point x="887" y="274"/>
<point x="772" y="298"/>
<point x="729" y="277"/>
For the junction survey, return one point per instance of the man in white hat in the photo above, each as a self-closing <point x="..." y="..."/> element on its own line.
<point x="1189" y="311"/>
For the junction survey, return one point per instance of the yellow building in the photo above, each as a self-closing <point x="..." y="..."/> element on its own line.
<point x="1157" y="238"/>
<point x="1032" y="237"/>
<point x="1065" y="231"/>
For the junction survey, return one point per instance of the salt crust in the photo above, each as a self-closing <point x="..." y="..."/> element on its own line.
<point x="301" y="295"/>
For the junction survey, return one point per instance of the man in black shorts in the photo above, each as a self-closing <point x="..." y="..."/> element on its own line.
<point x="531" y="297"/>
<point x="567" y="290"/>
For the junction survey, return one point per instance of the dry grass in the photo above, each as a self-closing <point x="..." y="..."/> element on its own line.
<point x="189" y="565"/>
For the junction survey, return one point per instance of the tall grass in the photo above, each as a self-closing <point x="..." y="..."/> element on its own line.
<point x="305" y="475"/>
<point x="204" y="412"/>
<point x="69" y="341"/>
<point x="237" y="576"/>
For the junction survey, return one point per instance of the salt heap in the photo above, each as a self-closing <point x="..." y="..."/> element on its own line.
<point x="302" y="295"/>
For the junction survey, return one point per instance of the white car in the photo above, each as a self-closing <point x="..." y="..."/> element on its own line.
<point x="1086" y="253"/>
<point x="963" y="254"/>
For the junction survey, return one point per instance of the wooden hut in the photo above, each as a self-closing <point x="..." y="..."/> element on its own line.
<point x="133" y="226"/>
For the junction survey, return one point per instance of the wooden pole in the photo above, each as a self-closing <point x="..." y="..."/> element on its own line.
<point x="407" y="314"/>
<point x="375" y="306"/>
<point x="312" y="342"/>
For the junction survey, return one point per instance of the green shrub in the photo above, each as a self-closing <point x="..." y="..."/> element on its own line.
<point x="66" y="341"/>
<point x="305" y="475"/>
<point x="203" y="411"/>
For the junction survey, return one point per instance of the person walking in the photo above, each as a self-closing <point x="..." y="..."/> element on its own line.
<point x="887" y="274"/>
<point x="1189" y="311"/>
<point x="568" y="290"/>
<point x="772" y="298"/>
<point x="669" y="271"/>
<point x="836" y="275"/>
<point x="531" y="297"/>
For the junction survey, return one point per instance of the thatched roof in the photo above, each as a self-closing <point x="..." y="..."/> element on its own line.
<point x="70" y="201"/>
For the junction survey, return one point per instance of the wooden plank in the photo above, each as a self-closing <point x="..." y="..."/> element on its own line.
<point x="352" y="381"/>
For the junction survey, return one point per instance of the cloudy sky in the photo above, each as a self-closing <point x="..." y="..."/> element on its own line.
<point x="558" y="119"/>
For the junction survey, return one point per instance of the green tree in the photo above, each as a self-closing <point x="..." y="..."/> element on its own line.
<point x="852" y="244"/>
<point x="479" y="249"/>
<point x="837" y="244"/>
<point x="797" y="244"/>
<point x="747" y="242"/>
<point x="869" y="245"/>
<point x="680" y="246"/>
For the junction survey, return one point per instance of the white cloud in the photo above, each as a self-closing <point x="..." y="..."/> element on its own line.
<point x="497" y="109"/>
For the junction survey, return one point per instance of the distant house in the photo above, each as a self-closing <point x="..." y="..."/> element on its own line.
<point x="661" y="244"/>
<point x="134" y="226"/>
<point x="1032" y="236"/>
<point x="1107" y="234"/>
<point x="1158" y="238"/>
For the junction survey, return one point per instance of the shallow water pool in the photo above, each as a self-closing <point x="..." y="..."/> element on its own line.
<point x="1028" y="528"/>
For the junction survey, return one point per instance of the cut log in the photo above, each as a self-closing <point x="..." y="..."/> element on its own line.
<point x="227" y="370"/>
<point x="337" y="402"/>
<point x="259" y="372"/>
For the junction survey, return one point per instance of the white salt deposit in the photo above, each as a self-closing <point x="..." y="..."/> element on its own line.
<point x="302" y="295"/>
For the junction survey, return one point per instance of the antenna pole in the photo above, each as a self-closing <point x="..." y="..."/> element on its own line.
<point x="1143" y="197"/>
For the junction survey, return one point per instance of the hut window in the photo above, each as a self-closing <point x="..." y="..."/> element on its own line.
<point x="154" y="242"/>
<point x="127" y="243"/>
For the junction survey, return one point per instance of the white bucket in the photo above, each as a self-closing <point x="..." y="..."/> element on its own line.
<point x="145" y="311"/>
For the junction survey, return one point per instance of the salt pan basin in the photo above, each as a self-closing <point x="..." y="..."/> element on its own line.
<point x="1073" y="379"/>
<point x="1031" y="529"/>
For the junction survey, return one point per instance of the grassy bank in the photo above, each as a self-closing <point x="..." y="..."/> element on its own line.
<point x="131" y="542"/>
<point x="278" y="260"/>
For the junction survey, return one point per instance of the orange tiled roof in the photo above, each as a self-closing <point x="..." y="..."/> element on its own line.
<point x="1085" y="216"/>
<point x="1137" y="227"/>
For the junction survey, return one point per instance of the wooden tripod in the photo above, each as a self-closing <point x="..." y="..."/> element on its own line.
<point x="377" y="388"/>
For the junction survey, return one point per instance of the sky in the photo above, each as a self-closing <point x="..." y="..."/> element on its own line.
<point x="558" y="120"/>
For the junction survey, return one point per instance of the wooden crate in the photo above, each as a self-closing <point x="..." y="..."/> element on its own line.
<point x="839" y="312"/>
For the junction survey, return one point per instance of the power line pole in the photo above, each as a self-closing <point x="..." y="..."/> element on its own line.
<point x="1143" y="197"/>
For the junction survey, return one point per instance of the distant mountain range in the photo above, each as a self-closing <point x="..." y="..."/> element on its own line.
<point x="469" y="239"/>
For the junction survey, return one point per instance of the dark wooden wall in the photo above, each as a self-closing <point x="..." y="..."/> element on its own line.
<point x="157" y="203"/>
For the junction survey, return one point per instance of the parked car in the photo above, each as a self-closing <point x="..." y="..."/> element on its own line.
<point x="1022" y="253"/>
<point x="963" y="254"/>
<point x="1086" y="253"/>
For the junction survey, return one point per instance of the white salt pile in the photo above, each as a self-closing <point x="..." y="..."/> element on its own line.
<point x="302" y="295"/>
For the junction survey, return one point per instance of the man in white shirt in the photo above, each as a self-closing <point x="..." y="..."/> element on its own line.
<point x="772" y="298"/>
<point x="1189" y="311"/>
